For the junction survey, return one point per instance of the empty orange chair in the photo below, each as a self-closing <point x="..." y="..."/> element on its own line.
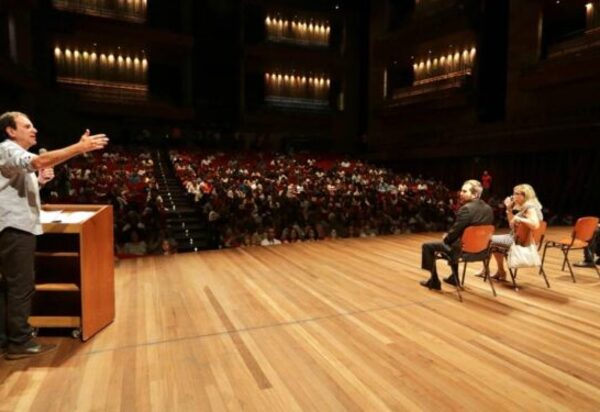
<point x="580" y="238"/>
<point x="475" y="247"/>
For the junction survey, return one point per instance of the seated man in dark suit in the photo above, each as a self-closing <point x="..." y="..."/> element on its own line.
<point x="473" y="212"/>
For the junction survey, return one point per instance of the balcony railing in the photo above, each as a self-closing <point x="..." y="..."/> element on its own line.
<point x="443" y="77"/>
<point x="298" y="32"/>
<point x="297" y="104"/>
<point x="576" y="43"/>
<point x="130" y="10"/>
<point x="106" y="91"/>
<point x="97" y="65"/>
<point x="427" y="91"/>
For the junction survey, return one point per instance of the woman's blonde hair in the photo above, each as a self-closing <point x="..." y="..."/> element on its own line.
<point x="528" y="194"/>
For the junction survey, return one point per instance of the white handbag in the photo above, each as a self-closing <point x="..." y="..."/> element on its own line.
<point x="523" y="256"/>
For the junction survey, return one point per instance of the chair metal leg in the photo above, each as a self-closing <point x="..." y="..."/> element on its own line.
<point x="596" y="267"/>
<point x="566" y="253"/>
<point x="513" y="276"/>
<point x="463" y="274"/>
<point x="543" y="258"/>
<point x="486" y="264"/>
<point x="458" y="287"/>
<point x="543" y="272"/>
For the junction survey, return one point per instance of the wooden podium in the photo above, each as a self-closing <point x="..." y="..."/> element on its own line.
<point x="74" y="265"/>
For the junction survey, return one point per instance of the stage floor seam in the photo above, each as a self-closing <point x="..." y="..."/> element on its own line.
<point x="266" y="327"/>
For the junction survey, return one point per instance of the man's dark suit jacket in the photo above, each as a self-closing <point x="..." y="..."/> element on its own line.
<point x="473" y="213"/>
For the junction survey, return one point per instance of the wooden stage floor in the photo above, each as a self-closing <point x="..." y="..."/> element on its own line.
<point x="327" y="326"/>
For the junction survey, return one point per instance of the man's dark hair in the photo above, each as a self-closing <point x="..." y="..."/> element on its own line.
<point x="8" y="119"/>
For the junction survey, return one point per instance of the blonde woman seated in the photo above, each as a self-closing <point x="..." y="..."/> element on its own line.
<point x="528" y="212"/>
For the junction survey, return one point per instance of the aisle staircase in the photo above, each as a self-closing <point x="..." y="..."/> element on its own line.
<point x="184" y="221"/>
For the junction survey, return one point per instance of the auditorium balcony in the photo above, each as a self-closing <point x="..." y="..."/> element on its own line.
<point x="425" y="53"/>
<point x="453" y="89"/>
<point x="120" y="58"/>
<point x="300" y="67"/>
<point x="432" y="75"/>
<point x="303" y="26"/>
<point x="286" y="51"/>
<point x="576" y="59"/>
<point x="570" y="45"/>
<point x="554" y="69"/>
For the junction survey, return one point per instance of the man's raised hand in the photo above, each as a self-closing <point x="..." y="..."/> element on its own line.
<point x="90" y="143"/>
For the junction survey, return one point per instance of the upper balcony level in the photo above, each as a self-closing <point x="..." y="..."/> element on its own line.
<point x="568" y="27"/>
<point x="300" y="32"/>
<point x="429" y="75"/>
<point x="299" y="29"/>
<point x="570" y="45"/>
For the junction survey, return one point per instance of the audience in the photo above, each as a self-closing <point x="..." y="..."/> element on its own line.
<point x="307" y="198"/>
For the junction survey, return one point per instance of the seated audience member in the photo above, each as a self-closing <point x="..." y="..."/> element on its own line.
<point x="320" y="231"/>
<point x="246" y="240"/>
<point x="352" y="231"/>
<point x="285" y="236"/>
<point x="588" y="252"/>
<point x="154" y="240"/>
<point x="167" y="248"/>
<point x="133" y="223"/>
<point x="311" y="235"/>
<point x="229" y="239"/>
<point x="135" y="246"/>
<point x="257" y="237"/>
<point x="473" y="212"/>
<point x="270" y="240"/>
<point x="294" y="238"/>
<point x="528" y="212"/>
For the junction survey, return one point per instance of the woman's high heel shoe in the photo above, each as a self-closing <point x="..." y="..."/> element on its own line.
<point x="499" y="276"/>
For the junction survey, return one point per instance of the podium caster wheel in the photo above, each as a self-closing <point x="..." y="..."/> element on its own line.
<point x="76" y="333"/>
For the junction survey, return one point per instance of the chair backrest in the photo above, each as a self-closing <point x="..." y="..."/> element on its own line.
<point x="540" y="233"/>
<point x="524" y="235"/>
<point x="476" y="239"/>
<point x="585" y="228"/>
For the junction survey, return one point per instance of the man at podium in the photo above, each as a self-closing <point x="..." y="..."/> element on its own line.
<point x="20" y="223"/>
